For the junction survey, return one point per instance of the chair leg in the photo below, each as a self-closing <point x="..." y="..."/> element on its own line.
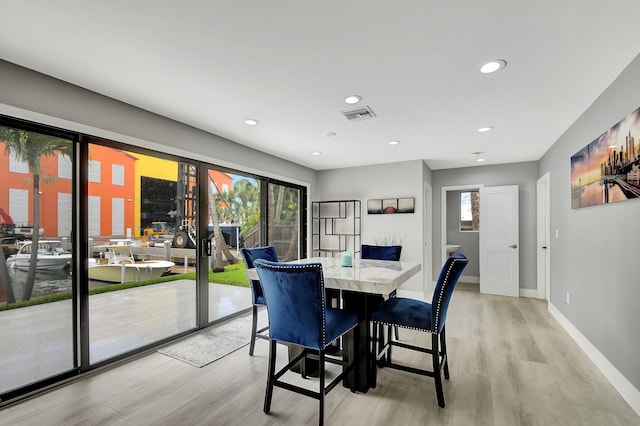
<point x="254" y="328"/>
<point x="380" y="340"/>
<point x="389" y="340"/>
<point x="270" y="376"/>
<point x="436" y="369"/>
<point x="395" y="328"/>
<point x="373" y="361"/>
<point x="443" y="351"/>
<point x="322" y="392"/>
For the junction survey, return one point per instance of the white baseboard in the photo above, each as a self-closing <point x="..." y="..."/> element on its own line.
<point x="529" y="292"/>
<point x="469" y="279"/>
<point x="628" y="391"/>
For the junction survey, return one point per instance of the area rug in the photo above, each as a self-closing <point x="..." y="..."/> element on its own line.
<point x="214" y="342"/>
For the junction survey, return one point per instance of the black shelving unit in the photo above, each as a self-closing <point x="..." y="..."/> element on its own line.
<point x="336" y="227"/>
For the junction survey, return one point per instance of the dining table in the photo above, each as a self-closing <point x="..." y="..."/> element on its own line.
<point x="361" y="287"/>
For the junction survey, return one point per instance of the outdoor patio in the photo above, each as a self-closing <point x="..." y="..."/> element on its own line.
<point x="38" y="340"/>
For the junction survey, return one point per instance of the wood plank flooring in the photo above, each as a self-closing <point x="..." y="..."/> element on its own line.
<point x="510" y="362"/>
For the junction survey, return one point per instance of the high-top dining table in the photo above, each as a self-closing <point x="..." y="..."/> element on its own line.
<point x="362" y="287"/>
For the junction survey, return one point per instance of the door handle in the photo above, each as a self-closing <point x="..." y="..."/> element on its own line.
<point x="206" y="247"/>
<point x="544" y="247"/>
<point x="514" y="246"/>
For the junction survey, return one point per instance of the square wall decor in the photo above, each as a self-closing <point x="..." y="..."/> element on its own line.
<point x="391" y="205"/>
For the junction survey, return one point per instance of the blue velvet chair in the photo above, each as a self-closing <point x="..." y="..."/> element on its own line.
<point x="299" y="315"/>
<point x="249" y="255"/>
<point x="382" y="253"/>
<point x="421" y="316"/>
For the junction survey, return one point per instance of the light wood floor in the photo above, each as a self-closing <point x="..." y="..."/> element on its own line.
<point x="511" y="364"/>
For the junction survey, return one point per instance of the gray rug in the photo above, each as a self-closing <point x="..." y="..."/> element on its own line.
<point x="214" y="342"/>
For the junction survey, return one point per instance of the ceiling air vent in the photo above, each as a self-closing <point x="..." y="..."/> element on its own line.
<point x="359" y="114"/>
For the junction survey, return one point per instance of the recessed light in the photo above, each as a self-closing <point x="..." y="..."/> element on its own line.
<point x="352" y="99"/>
<point x="493" y="66"/>
<point x="393" y="142"/>
<point x="251" y="122"/>
<point x="479" y="160"/>
<point x="485" y="129"/>
<point x="316" y="153"/>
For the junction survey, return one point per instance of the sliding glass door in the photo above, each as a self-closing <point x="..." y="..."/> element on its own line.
<point x="237" y="219"/>
<point x="36" y="307"/>
<point x="142" y="253"/>
<point x="286" y="210"/>
<point x="109" y="250"/>
<point x="233" y="209"/>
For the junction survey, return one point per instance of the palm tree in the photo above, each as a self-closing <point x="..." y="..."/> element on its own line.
<point x="244" y="198"/>
<point x="30" y="147"/>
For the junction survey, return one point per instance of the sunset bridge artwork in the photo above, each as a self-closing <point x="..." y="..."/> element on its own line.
<point x="608" y="169"/>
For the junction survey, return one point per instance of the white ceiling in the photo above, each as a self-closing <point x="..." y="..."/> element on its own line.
<point x="290" y="63"/>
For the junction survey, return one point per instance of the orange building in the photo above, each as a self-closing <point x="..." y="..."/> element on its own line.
<point x="16" y="193"/>
<point x="117" y="199"/>
<point x="111" y="192"/>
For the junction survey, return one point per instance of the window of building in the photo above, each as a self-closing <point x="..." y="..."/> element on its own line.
<point x="94" y="171"/>
<point x="17" y="166"/>
<point x="470" y="211"/>
<point x="117" y="216"/>
<point x="64" y="166"/>
<point x="117" y="175"/>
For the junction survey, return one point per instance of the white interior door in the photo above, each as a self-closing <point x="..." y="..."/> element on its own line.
<point x="543" y="235"/>
<point x="499" y="241"/>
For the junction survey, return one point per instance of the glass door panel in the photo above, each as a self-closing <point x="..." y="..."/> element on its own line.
<point x="284" y="221"/>
<point x="36" y="316"/>
<point x="233" y="207"/>
<point x="141" y="250"/>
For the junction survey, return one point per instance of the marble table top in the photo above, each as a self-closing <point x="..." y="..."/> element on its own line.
<point x="365" y="276"/>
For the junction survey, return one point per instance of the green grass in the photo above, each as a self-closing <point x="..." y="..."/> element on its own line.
<point x="232" y="275"/>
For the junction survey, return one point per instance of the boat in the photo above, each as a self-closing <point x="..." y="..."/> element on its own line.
<point x="117" y="265"/>
<point x="51" y="255"/>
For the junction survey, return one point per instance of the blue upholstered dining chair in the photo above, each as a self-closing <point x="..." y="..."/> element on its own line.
<point x="299" y="315"/>
<point x="421" y="316"/>
<point x="250" y="255"/>
<point x="382" y="253"/>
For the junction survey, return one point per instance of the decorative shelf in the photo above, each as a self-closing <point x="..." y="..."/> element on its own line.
<point x="336" y="227"/>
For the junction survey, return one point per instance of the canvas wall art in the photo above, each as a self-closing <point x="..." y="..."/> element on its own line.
<point x="391" y="205"/>
<point x="608" y="169"/>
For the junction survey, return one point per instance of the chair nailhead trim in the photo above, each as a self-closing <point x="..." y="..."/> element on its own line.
<point x="312" y="266"/>
<point x="442" y="288"/>
<point x="438" y="305"/>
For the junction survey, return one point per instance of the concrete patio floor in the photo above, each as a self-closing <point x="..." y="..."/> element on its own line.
<point x="36" y="342"/>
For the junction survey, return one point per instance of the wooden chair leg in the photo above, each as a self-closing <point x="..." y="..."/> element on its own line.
<point x="390" y="345"/>
<point x="436" y="369"/>
<point x="322" y="392"/>
<point x="443" y="351"/>
<point x="373" y="357"/>
<point x="270" y="376"/>
<point x="254" y="328"/>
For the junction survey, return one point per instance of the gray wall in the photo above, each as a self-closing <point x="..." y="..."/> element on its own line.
<point x="468" y="240"/>
<point x="522" y="174"/>
<point x="393" y="180"/>
<point x="595" y="257"/>
<point x="33" y="96"/>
